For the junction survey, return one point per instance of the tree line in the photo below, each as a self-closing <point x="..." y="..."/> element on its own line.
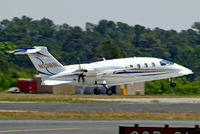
<point x="106" y="39"/>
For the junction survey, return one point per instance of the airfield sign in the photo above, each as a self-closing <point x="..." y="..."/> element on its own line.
<point x="158" y="130"/>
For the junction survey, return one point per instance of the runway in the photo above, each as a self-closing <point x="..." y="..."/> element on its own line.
<point x="88" y="126"/>
<point x="100" y="107"/>
<point x="80" y="126"/>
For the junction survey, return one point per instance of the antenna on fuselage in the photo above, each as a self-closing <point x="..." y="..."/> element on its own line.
<point x="79" y="62"/>
<point x="101" y="59"/>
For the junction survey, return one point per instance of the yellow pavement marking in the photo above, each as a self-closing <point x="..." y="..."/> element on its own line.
<point x="34" y="130"/>
<point x="104" y="128"/>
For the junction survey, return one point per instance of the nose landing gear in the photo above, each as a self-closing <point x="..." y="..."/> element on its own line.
<point x="172" y="84"/>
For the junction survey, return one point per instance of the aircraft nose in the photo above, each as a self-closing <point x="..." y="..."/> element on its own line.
<point x="184" y="70"/>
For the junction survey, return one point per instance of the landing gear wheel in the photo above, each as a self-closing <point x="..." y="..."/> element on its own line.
<point x="96" y="91"/>
<point x="173" y="84"/>
<point x="109" y="92"/>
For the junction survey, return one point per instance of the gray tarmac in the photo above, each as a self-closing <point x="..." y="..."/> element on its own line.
<point x="100" y="107"/>
<point x="89" y="126"/>
<point x="81" y="126"/>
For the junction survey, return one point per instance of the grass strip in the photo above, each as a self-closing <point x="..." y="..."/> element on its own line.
<point x="75" y="98"/>
<point x="67" y="100"/>
<point x="44" y="98"/>
<point x="101" y="115"/>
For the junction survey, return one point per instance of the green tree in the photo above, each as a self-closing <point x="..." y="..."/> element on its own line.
<point x="109" y="50"/>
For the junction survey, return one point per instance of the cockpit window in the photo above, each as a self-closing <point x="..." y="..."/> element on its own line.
<point x="166" y="62"/>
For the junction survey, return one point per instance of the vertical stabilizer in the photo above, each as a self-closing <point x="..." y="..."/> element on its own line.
<point x="43" y="61"/>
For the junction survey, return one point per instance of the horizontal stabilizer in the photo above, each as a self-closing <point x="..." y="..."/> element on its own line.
<point x="55" y="82"/>
<point x="29" y="50"/>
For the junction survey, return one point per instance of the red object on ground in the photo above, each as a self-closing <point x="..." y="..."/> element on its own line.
<point x="27" y="85"/>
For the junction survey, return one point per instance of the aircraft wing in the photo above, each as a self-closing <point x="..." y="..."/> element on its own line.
<point x="54" y="82"/>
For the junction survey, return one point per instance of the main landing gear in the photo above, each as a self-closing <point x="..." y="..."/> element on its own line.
<point x="172" y="84"/>
<point x="108" y="91"/>
<point x="96" y="91"/>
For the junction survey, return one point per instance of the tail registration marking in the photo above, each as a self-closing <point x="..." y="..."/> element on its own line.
<point x="49" y="65"/>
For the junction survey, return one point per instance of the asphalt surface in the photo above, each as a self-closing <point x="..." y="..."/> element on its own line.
<point x="100" y="107"/>
<point x="80" y="126"/>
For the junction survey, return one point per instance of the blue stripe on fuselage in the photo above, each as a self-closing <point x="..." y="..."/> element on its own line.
<point x="137" y="72"/>
<point x="153" y="74"/>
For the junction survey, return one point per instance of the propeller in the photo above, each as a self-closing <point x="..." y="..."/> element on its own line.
<point x="81" y="76"/>
<point x="81" y="72"/>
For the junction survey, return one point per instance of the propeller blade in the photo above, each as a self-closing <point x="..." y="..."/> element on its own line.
<point x="80" y="72"/>
<point x="83" y="78"/>
<point x="79" y="77"/>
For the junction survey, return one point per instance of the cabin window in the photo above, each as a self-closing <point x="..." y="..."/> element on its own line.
<point x="131" y="66"/>
<point x="166" y="62"/>
<point x="153" y="64"/>
<point x="138" y="66"/>
<point x="145" y="65"/>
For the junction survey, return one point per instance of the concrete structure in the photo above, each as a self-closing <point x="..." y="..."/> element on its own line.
<point x="57" y="89"/>
<point x="131" y="89"/>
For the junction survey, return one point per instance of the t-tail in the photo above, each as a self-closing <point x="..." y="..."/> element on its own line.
<point x="43" y="61"/>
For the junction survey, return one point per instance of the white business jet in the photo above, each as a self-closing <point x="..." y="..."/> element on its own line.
<point x="104" y="73"/>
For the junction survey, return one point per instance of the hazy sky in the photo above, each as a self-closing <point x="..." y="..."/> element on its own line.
<point x="165" y="14"/>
